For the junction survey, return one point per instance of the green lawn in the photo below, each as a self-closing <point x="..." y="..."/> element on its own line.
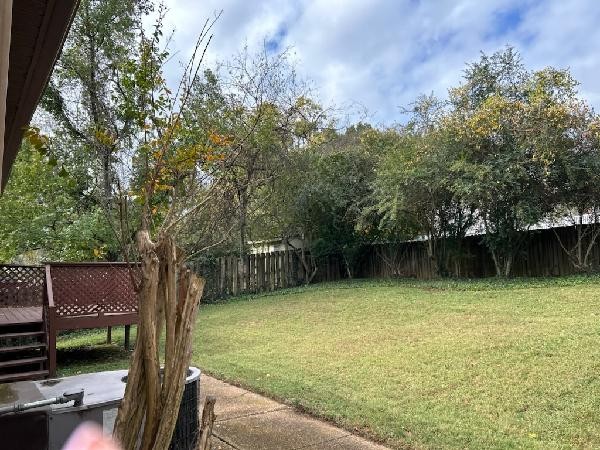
<point x="483" y="364"/>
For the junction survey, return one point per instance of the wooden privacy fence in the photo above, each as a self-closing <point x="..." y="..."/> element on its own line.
<point x="541" y="255"/>
<point x="262" y="272"/>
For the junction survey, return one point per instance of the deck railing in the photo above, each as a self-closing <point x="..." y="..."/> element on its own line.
<point x="21" y="286"/>
<point x="73" y="296"/>
<point x="84" y="289"/>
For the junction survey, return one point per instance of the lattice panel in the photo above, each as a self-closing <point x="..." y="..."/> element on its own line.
<point x="91" y="289"/>
<point x="21" y="286"/>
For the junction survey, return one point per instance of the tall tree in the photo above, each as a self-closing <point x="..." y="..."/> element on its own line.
<point x="565" y="135"/>
<point x="255" y="110"/>
<point x="495" y="167"/>
<point x="321" y="195"/>
<point x="413" y="189"/>
<point x="47" y="216"/>
<point x="86" y="85"/>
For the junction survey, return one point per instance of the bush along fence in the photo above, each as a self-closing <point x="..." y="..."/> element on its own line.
<point x="543" y="253"/>
<point x="263" y="272"/>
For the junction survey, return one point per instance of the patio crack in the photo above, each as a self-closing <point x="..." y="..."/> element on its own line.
<point x="225" y="441"/>
<point x="252" y="414"/>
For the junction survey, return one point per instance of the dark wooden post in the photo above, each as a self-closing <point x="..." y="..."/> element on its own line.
<point x="276" y="277"/>
<point x="281" y="262"/>
<point x="252" y="265"/>
<point x="284" y="267"/>
<point x="247" y="276"/>
<point x="260" y="272"/>
<point x="228" y="280"/>
<point x="127" y="333"/>
<point x="51" y="343"/>
<point x="267" y="271"/>
<point x="235" y="267"/>
<point x="108" y="335"/>
<point x="222" y="279"/>
<point x="51" y="317"/>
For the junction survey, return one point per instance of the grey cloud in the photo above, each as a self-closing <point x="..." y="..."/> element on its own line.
<point x="384" y="53"/>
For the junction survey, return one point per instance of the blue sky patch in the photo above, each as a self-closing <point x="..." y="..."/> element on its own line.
<point x="273" y="43"/>
<point x="505" y="21"/>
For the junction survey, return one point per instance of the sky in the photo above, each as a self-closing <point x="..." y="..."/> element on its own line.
<point x="381" y="54"/>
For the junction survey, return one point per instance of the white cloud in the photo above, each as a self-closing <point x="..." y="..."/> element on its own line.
<point x="384" y="53"/>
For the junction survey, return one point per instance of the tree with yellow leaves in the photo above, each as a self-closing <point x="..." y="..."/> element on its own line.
<point x="510" y="127"/>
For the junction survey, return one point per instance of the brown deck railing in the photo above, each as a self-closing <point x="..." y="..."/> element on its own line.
<point x="88" y="295"/>
<point x="73" y="296"/>
<point x="91" y="289"/>
<point x="21" y="286"/>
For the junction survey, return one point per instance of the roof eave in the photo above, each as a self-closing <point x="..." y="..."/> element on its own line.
<point x="40" y="40"/>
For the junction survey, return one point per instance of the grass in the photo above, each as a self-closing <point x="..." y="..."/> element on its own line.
<point x="459" y="364"/>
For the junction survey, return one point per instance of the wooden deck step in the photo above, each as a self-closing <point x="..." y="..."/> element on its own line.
<point x="23" y="376"/>
<point x="23" y="362"/>
<point x="21" y="335"/>
<point x="18" y="348"/>
<point x="21" y="316"/>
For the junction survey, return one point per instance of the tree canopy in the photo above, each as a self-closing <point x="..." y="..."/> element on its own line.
<point x="507" y="149"/>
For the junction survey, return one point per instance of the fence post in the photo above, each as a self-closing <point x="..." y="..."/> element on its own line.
<point x="301" y="272"/>
<point x="288" y="268"/>
<point x="253" y="274"/>
<point x="234" y="275"/>
<point x="282" y="269"/>
<point x="273" y="272"/>
<point x="259" y="271"/>
<point x="273" y="269"/>
<point x="267" y="271"/>
<point x="222" y="279"/>
<point x="284" y="276"/>
<point x="263" y="264"/>
<point x="280" y="272"/>
<point x="247" y="276"/>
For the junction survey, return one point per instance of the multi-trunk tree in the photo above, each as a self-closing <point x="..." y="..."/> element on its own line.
<point x="569" y="143"/>
<point x="413" y="188"/>
<point x="515" y="132"/>
<point x="45" y="216"/>
<point x="86" y="87"/>
<point x="111" y="97"/>
<point x="510" y="149"/>
<point x="259" y="110"/>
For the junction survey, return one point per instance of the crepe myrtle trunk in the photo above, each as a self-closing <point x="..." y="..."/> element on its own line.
<point x="502" y="263"/>
<point x="169" y="295"/>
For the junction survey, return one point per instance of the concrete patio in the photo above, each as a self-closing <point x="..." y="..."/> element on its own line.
<point x="248" y="421"/>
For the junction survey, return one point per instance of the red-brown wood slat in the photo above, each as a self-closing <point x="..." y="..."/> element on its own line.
<point x="31" y="375"/>
<point x="18" y="316"/>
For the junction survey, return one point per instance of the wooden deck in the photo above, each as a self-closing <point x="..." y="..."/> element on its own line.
<point x="36" y="302"/>
<point x="20" y="316"/>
